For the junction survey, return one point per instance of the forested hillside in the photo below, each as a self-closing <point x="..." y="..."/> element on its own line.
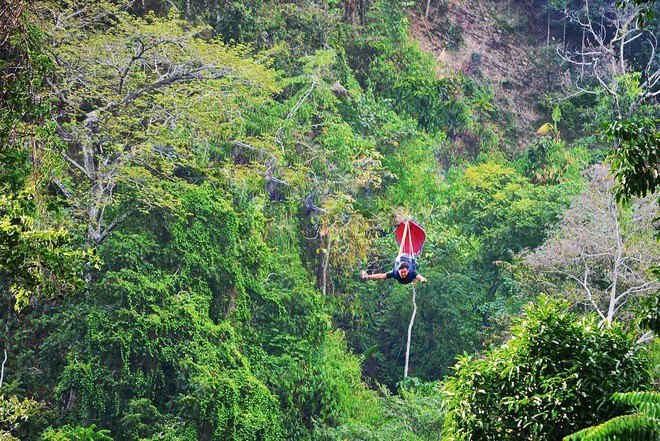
<point x="190" y="191"/>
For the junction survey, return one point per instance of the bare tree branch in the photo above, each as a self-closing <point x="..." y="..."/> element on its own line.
<point x="112" y="226"/>
<point x="75" y="164"/>
<point x="646" y="337"/>
<point x="62" y="188"/>
<point x="605" y="54"/>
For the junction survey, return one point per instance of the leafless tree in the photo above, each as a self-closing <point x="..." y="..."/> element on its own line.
<point x="600" y="255"/>
<point x="603" y="55"/>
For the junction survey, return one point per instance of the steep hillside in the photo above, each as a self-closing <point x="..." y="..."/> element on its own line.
<point x="502" y="42"/>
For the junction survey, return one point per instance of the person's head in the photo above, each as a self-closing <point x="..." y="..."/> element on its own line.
<point x="404" y="269"/>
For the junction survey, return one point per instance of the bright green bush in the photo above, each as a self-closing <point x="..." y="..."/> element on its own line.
<point x="503" y="209"/>
<point x="76" y="433"/>
<point x="14" y="412"/>
<point x="553" y="377"/>
<point x="412" y="415"/>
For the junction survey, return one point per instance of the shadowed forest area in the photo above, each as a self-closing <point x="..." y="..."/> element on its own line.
<point x="191" y="189"/>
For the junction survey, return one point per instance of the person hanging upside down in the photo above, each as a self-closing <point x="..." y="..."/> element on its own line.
<point x="405" y="271"/>
<point x="410" y="237"/>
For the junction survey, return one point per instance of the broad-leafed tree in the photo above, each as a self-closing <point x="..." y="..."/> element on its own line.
<point x="139" y="99"/>
<point x="617" y="62"/>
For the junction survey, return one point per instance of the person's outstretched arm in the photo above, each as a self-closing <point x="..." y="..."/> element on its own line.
<point x="420" y="278"/>
<point x="380" y="276"/>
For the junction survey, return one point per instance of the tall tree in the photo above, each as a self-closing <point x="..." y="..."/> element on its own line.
<point x="617" y="61"/>
<point x="38" y="260"/>
<point x="137" y="98"/>
<point x="606" y="58"/>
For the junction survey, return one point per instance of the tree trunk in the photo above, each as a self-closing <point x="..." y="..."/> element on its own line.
<point x="363" y="7"/>
<point x="2" y="370"/>
<point x="324" y="274"/>
<point x="618" y="257"/>
<point x="36" y="179"/>
<point x="563" y="38"/>
<point x="349" y="11"/>
<point x="231" y="306"/>
<point x="582" y="52"/>
<point x="547" y="40"/>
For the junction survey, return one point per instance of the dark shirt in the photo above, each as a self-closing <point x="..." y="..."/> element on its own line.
<point x="409" y="279"/>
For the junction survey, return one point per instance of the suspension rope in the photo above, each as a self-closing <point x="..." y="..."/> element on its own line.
<point x="412" y="251"/>
<point x="403" y="239"/>
<point x="414" y="295"/>
<point x="410" y="326"/>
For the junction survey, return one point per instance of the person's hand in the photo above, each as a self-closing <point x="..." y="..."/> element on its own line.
<point x="422" y="279"/>
<point x="364" y="275"/>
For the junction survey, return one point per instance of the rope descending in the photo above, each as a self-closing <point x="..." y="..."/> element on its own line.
<point x="414" y="295"/>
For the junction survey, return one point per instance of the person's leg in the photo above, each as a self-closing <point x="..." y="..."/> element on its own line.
<point x="404" y="257"/>
<point x="398" y="259"/>
<point x="414" y="263"/>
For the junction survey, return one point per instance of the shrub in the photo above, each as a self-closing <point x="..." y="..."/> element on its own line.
<point x="554" y="376"/>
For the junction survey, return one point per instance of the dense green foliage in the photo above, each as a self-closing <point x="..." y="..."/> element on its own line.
<point x="69" y="433"/>
<point x="552" y="377"/>
<point x="189" y="190"/>
<point x="637" y="159"/>
<point x="642" y="425"/>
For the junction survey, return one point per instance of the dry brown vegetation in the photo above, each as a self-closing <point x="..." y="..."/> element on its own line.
<point x="502" y="42"/>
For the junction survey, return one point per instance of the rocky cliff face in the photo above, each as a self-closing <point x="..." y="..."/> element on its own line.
<point x="502" y="42"/>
